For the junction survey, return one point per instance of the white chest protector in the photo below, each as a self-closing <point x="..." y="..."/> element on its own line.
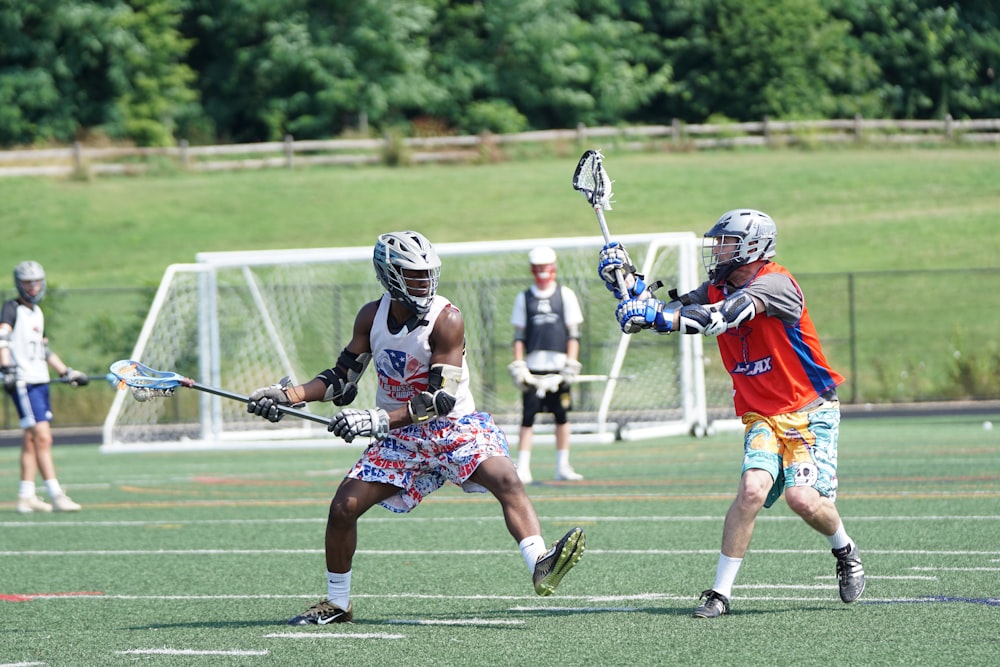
<point x="27" y="345"/>
<point x="402" y="361"/>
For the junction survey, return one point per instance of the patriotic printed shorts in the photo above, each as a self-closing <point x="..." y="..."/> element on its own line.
<point x="419" y="459"/>
<point x="797" y="448"/>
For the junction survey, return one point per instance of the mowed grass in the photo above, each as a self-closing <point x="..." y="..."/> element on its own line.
<point x="200" y="558"/>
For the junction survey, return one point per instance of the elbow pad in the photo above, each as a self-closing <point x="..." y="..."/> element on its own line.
<point x="440" y="397"/>
<point x="714" y="319"/>
<point x="342" y="386"/>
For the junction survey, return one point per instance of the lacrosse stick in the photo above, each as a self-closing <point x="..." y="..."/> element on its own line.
<point x="591" y="180"/>
<point x="111" y="379"/>
<point x="147" y="383"/>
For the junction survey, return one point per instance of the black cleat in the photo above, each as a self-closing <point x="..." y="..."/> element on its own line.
<point x="850" y="573"/>
<point x="716" y="604"/>
<point x="323" y="612"/>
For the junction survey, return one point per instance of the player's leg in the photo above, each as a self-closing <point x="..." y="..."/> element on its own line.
<point x="812" y="489"/>
<point x="559" y="404"/>
<point x="761" y="466"/>
<point x="42" y="437"/>
<point x="353" y="498"/>
<point x="530" y="406"/>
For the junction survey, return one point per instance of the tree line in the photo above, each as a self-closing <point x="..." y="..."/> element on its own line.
<point x="153" y="72"/>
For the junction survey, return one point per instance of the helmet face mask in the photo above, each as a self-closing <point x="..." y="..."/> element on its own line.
<point x="408" y="268"/>
<point x="740" y="236"/>
<point x="543" y="266"/>
<point x="25" y="274"/>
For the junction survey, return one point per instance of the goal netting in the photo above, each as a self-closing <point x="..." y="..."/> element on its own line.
<point x="242" y="320"/>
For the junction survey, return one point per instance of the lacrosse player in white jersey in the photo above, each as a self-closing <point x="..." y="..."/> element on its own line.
<point x="546" y="319"/>
<point x="425" y="429"/>
<point x="25" y="359"/>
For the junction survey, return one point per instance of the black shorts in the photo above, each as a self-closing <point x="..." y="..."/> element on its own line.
<point x="558" y="402"/>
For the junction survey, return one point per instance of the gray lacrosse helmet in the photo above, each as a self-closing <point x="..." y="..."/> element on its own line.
<point x="27" y="272"/>
<point x="396" y="252"/>
<point x="756" y="236"/>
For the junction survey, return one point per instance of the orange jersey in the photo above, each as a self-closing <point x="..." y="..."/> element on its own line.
<point x="776" y="366"/>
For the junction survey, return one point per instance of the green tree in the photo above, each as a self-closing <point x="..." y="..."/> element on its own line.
<point x="746" y="59"/>
<point x="72" y="67"/>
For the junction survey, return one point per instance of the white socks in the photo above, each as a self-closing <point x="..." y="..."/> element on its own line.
<point x="524" y="460"/>
<point x="28" y="490"/>
<point x="562" y="459"/>
<point x="725" y="574"/>
<point x="840" y="539"/>
<point x="338" y="588"/>
<point x="531" y="548"/>
<point x="55" y="490"/>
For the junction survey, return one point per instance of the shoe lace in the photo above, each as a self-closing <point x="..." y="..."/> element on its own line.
<point x="847" y="568"/>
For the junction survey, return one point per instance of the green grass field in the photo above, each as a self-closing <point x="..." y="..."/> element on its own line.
<point x="199" y="559"/>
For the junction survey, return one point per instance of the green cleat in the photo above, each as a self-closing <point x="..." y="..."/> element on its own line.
<point x="560" y="559"/>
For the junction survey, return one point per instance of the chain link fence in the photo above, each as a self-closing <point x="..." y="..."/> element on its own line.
<point x="897" y="336"/>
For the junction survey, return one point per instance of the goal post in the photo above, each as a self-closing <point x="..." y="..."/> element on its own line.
<point x="242" y="320"/>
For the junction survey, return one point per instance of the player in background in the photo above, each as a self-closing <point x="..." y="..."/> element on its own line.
<point x="25" y="359"/>
<point x="546" y="319"/>
<point x="783" y="388"/>
<point x="425" y="428"/>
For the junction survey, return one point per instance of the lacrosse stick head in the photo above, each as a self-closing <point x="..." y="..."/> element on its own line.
<point x="144" y="382"/>
<point x="591" y="179"/>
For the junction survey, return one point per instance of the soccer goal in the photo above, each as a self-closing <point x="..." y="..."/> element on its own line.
<point x="241" y="320"/>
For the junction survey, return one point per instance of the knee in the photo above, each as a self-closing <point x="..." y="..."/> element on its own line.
<point x="754" y="489"/>
<point x="343" y="513"/>
<point x="803" y="500"/>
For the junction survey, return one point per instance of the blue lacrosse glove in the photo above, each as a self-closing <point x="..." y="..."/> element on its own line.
<point x="614" y="261"/>
<point x="637" y="314"/>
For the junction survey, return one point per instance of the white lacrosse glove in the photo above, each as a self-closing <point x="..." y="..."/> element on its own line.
<point x="522" y="377"/>
<point x="548" y="383"/>
<point x="638" y="314"/>
<point x="75" y="378"/>
<point x="615" y="262"/>
<point x="571" y="370"/>
<point x="349" y="424"/>
<point x="264" y="402"/>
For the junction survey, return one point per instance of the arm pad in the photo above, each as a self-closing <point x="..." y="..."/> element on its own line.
<point x="341" y="385"/>
<point x="714" y="319"/>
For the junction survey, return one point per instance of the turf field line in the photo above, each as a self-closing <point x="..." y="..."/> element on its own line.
<point x="190" y="651"/>
<point x="21" y="664"/>
<point x="332" y="635"/>
<point x="461" y="552"/>
<point x="44" y="523"/>
<point x="956" y="569"/>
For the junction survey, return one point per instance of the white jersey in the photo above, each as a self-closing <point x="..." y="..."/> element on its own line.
<point x="402" y="361"/>
<point x="27" y="342"/>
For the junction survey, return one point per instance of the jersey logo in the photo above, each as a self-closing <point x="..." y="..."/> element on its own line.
<point x="400" y="375"/>
<point x="752" y="368"/>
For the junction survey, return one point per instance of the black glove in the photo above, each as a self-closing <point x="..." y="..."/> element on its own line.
<point x="9" y="377"/>
<point x="264" y="402"/>
<point x="75" y="378"/>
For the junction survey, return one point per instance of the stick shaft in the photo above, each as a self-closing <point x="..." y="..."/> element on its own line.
<point x="622" y="287"/>
<point x="301" y="414"/>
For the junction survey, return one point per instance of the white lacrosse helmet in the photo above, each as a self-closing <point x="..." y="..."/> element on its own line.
<point x="542" y="255"/>
<point x="755" y="237"/>
<point x="397" y="252"/>
<point x="27" y="272"/>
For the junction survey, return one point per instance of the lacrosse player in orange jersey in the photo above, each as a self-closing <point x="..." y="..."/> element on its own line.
<point x="784" y="389"/>
<point x="425" y="429"/>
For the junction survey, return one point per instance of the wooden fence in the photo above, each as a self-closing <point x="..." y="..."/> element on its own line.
<point x="86" y="161"/>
